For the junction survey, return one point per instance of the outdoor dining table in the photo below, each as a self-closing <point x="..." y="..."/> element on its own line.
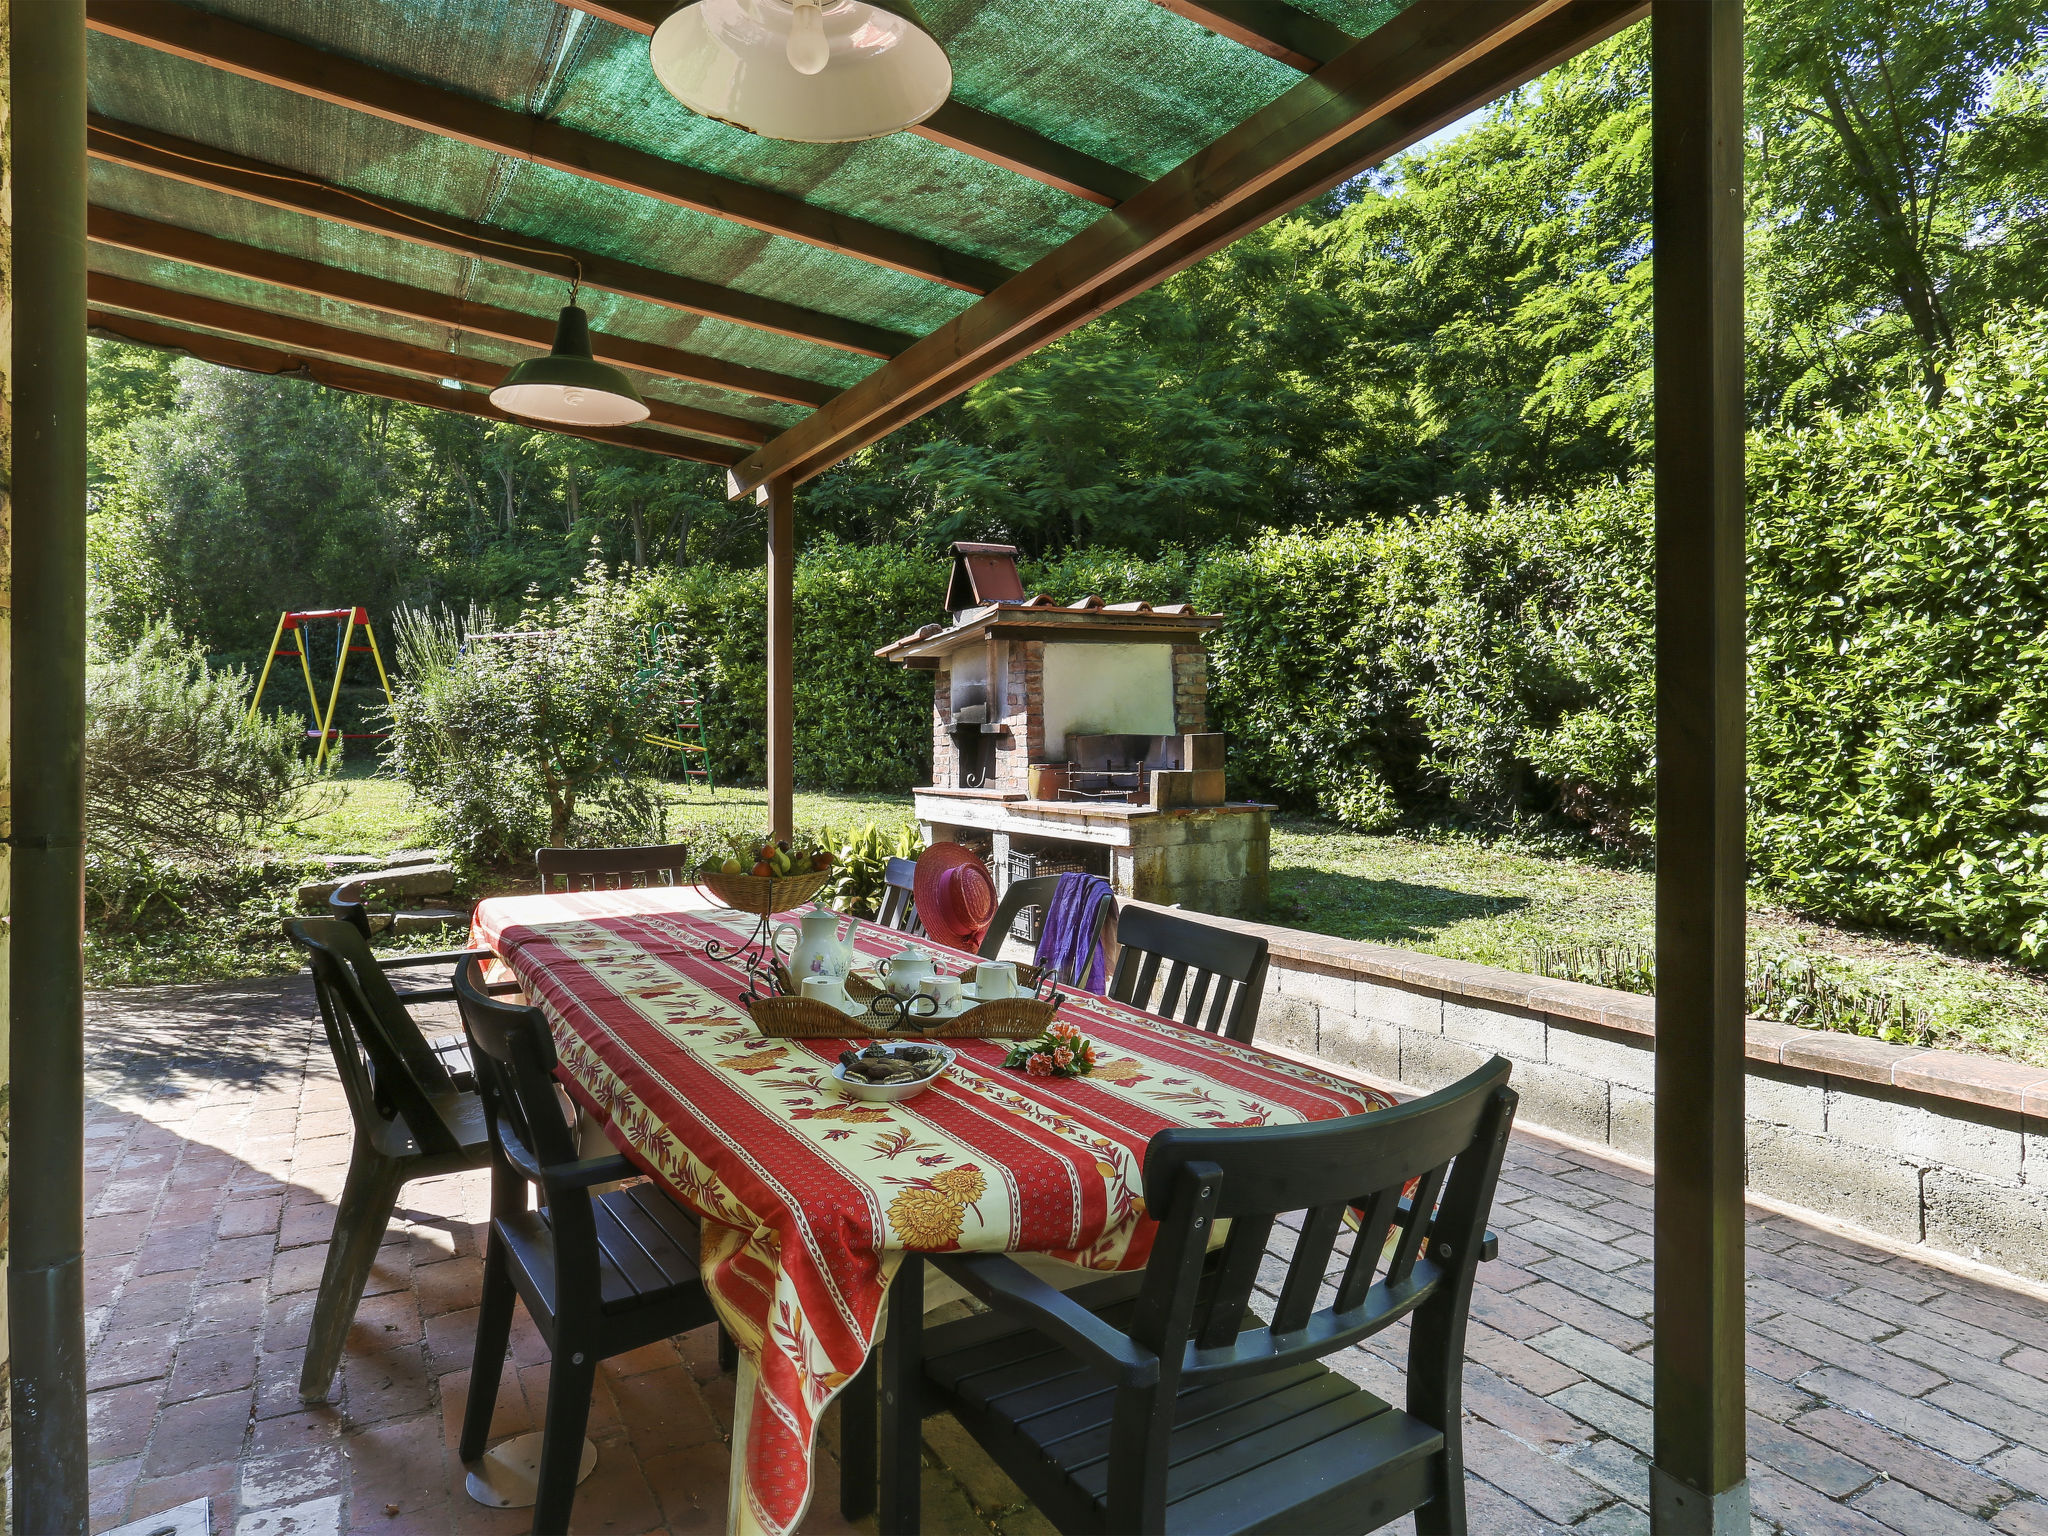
<point x="809" y="1199"/>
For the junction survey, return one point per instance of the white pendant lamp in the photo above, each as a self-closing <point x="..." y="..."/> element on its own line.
<point x="570" y="386"/>
<point x="816" y="71"/>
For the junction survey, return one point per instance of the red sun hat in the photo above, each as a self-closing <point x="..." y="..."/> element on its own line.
<point x="955" y="895"/>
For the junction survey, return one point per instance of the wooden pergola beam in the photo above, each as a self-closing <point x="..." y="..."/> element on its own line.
<point x="150" y="237"/>
<point x="225" y="44"/>
<point x="227" y="352"/>
<point x="274" y="186"/>
<point x="295" y="334"/>
<point x="1277" y="30"/>
<point x="1430" y="65"/>
<point x="955" y="125"/>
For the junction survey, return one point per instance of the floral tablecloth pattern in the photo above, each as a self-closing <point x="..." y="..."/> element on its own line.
<point x="809" y="1199"/>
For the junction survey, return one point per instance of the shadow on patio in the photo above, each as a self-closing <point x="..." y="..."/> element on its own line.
<point x="1886" y="1395"/>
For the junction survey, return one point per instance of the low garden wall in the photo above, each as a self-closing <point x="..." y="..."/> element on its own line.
<point x="1931" y="1147"/>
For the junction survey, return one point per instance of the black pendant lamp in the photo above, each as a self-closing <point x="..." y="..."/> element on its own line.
<point x="570" y="386"/>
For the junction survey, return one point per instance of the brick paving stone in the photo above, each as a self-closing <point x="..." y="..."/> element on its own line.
<point x="1540" y="1421"/>
<point x="689" y="1485"/>
<point x="1917" y="1420"/>
<point x="118" y="1421"/>
<point x="198" y="1433"/>
<point x="1991" y="1376"/>
<point x="2023" y="1467"/>
<point x="1590" y="1252"/>
<point x="180" y="1247"/>
<point x="1882" y="1306"/>
<point x="662" y="1410"/>
<point x="1812" y="1463"/>
<point x="291" y="1477"/>
<point x="1615" y="1465"/>
<point x="212" y="1363"/>
<point x="247" y="1218"/>
<point x="1597" y="1359"/>
<point x="141" y="1355"/>
<point x="1767" y="1298"/>
<point x="1995" y="1413"/>
<point x="1573" y="1219"/>
<point x="1514" y="1318"/>
<point x="108" y="1490"/>
<point x="2023" y="1517"/>
<point x="1996" y="1317"/>
<point x="1775" y="1399"/>
<point x="1628" y="1292"/>
<point x="1778" y="1361"/>
<point x="1516" y="1361"/>
<point x="236" y="1307"/>
<point x="1587" y="1315"/>
<point x="1615" y="1520"/>
<point x="1542" y="1482"/>
<point x="155" y="1299"/>
<point x="1799" y="1509"/>
<point x="1800" y="1277"/>
<point x="1906" y="1461"/>
<point x="1607" y="1411"/>
<point x="1914" y="1513"/>
<point x="1489" y="1509"/>
<point x="391" y="1384"/>
<point x="1916" y="1286"/>
<point x="1873" y="1362"/>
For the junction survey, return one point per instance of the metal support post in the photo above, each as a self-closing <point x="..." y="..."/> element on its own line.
<point x="1697" y="1479"/>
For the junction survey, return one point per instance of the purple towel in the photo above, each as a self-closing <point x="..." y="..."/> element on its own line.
<point x="1066" y="940"/>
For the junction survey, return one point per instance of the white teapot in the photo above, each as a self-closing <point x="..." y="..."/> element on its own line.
<point x="903" y="972"/>
<point x="819" y="950"/>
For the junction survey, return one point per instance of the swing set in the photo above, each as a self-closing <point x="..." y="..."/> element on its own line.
<point x="349" y="621"/>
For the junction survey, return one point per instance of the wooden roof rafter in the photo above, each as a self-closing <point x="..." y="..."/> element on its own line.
<point x="955" y="125"/>
<point x="290" y="331"/>
<point x="1431" y="64"/>
<point x="275" y="186"/>
<point x="1279" y="31"/>
<point x="169" y="242"/>
<point x="221" y="43"/>
<point x="225" y="352"/>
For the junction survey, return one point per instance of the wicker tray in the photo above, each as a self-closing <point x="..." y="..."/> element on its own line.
<point x="763" y="894"/>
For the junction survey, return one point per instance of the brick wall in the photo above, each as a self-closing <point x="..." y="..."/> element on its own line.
<point x="1190" y="688"/>
<point x="945" y="756"/>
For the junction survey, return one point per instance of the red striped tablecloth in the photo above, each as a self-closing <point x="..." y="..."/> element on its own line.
<point x="809" y="1198"/>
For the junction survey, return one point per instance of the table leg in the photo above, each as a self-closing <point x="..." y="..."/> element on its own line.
<point x="857" y="1444"/>
<point x="902" y="1372"/>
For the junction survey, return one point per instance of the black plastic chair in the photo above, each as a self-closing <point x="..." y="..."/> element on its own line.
<point x="899" y="905"/>
<point x="1215" y="976"/>
<point x="600" y="869"/>
<point x="1038" y="892"/>
<point x="348" y="903"/>
<point x="413" y="1120"/>
<point x="600" y="1274"/>
<point x="1182" y="1409"/>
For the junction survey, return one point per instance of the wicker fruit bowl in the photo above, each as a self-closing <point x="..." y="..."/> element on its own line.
<point x="761" y="893"/>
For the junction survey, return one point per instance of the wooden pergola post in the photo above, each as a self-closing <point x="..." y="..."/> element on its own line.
<point x="1697" y="1478"/>
<point x="780" y="497"/>
<point x="45" y="996"/>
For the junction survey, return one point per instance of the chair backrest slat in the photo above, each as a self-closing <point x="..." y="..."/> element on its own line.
<point x="1375" y="1220"/>
<point x="899" y="906"/>
<point x="1307" y="1267"/>
<point x="1449" y="1143"/>
<point x="589" y="869"/>
<point x="1216" y="975"/>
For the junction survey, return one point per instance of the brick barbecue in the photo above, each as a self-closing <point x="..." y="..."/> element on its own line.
<point x="1077" y="735"/>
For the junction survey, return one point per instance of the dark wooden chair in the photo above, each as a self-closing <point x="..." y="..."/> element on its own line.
<point x="899" y="906"/>
<point x="1182" y="1408"/>
<point x="1214" y="979"/>
<point x="413" y="1120"/>
<point x="1037" y="892"/>
<point x="600" y="1274"/>
<point x="604" y="869"/>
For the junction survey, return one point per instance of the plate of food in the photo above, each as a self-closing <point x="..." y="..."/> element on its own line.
<point x="890" y="1073"/>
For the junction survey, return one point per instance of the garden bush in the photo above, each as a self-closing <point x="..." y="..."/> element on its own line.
<point x="515" y="740"/>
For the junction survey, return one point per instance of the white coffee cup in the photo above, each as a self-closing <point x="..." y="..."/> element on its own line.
<point x="829" y="990"/>
<point x="943" y="990"/>
<point x="994" y="979"/>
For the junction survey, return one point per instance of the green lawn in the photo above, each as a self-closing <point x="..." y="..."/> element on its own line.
<point x="1492" y="902"/>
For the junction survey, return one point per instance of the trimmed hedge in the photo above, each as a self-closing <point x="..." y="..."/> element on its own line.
<point x="1496" y="662"/>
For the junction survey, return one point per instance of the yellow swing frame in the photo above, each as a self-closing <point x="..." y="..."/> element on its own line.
<point x="294" y="624"/>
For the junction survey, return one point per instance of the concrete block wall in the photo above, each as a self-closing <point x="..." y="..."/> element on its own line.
<point x="1937" y="1148"/>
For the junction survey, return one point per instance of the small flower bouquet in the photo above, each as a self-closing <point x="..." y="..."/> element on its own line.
<point x="1062" y="1051"/>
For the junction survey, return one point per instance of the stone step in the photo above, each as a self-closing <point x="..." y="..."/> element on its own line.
<point x="423" y="921"/>
<point x="409" y="880"/>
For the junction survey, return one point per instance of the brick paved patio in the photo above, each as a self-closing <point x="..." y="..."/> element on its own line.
<point x="1887" y="1396"/>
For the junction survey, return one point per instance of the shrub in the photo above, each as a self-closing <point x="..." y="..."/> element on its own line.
<point x="175" y="768"/>
<point x="532" y="735"/>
